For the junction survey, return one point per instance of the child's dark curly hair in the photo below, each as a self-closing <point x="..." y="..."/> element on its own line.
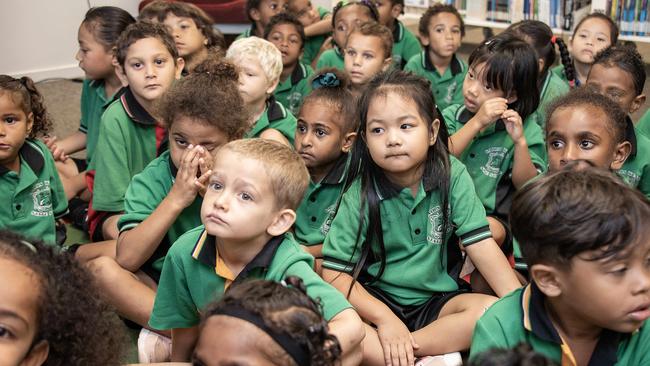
<point x="626" y="58"/>
<point x="331" y="86"/>
<point x="208" y="95"/>
<point x="79" y="327"/>
<point x="286" y="310"/>
<point x="159" y="9"/>
<point x="106" y="23"/>
<point x="141" y="30"/>
<point x="370" y="6"/>
<point x="30" y="100"/>
<point x="285" y="18"/>
<point x="425" y="20"/>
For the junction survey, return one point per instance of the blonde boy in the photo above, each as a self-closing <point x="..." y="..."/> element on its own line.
<point x="260" y="64"/>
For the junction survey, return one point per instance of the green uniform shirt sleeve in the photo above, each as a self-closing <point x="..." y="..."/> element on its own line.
<point x="286" y="126"/>
<point x="535" y="140"/>
<point x="142" y="197"/>
<point x="111" y="166"/>
<point x="59" y="199"/>
<point x="331" y="300"/>
<point x="467" y="213"/>
<point x="411" y="45"/>
<point x="340" y="251"/>
<point x="449" y="114"/>
<point x="85" y="95"/>
<point x="488" y="334"/>
<point x="329" y="58"/>
<point x="643" y="125"/>
<point x="173" y="307"/>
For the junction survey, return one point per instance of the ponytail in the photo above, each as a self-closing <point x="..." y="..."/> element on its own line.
<point x="565" y="57"/>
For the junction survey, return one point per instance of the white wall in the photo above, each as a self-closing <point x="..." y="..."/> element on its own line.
<point x="39" y="37"/>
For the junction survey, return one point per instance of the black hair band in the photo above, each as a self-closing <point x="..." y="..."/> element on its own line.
<point x="288" y="344"/>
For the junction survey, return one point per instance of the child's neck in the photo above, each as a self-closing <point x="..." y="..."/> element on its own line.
<point x="580" y="335"/>
<point x="287" y="70"/>
<point x="147" y="105"/>
<point x="13" y="164"/>
<point x="256" y="109"/>
<point x="391" y="25"/>
<point x="318" y="173"/>
<point x="111" y="85"/>
<point x="582" y="71"/>
<point x="259" y="30"/>
<point x="237" y="254"/>
<point x="440" y="63"/>
<point x="192" y="61"/>
<point x="409" y="180"/>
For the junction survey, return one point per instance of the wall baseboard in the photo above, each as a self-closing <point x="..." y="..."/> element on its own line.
<point x="61" y="72"/>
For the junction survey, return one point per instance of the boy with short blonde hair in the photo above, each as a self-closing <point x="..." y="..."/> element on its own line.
<point x="247" y="212"/>
<point x="260" y="64"/>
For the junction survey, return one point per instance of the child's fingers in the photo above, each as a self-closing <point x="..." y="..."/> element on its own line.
<point x="414" y="344"/>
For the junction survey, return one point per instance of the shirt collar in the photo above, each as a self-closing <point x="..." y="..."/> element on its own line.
<point x="136" y="111"/>
<point x="630" y="134"/>
<point x="398" y="31"/>
<point x="337" y="50"/>
<point x="31" y="155"/>
<point x="384" y="194"/>
<point x="455" y="66"/>
<point x="337" y="173"/>
<point x="205" y="251"/>
<point x="172" y="168"/>
<point x="536" y="320"/>
<point x="274" y="110"/>
<point x="298" y="73"/>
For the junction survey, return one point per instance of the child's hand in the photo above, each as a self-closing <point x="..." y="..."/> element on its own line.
<point x="327" y="45"/>
<point x="514" y="125"/>
<point x="57" y="153"/>
<point x="185" y="186"/>
<point x="397" y="342"/>
<point x="491" y="110"/>
<point x="205" y="167"/>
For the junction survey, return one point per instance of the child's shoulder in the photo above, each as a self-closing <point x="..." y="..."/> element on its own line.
<point x="185" y="246"/>
<point x="289" y="252"/>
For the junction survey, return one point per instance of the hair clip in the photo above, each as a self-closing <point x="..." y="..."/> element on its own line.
<point x="553" y="39"/>
<point x="29" y="245"/>
<point x="326" y="80"/>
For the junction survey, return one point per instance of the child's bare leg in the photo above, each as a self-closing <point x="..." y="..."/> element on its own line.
<point x="373" y="352"/>
<point x="131" y="294"/>
<point x="455" y="322"/>
<point x="74" y="185"/>
<point x="109" y="227"/>
<point x="90" y="251"/>
<point x="497" y="229"/>
<point x="66" y="168"/>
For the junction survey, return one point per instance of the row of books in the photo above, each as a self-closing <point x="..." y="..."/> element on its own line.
<point x="630" y="15"/>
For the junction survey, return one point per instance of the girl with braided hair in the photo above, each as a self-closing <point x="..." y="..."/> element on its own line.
<point x="263" y="322"/>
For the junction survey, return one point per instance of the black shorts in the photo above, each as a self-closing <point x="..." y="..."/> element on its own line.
<point x="151" y="272"/>
<point x="81" y="164"/>
<point x="507" y="246"/>
<point x="416" y="317"/>
<point x="98" y="234"/>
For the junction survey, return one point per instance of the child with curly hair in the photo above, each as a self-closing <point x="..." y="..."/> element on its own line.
<point x="51" y="313"/>
<point x="30" y="186"/>
<point x="265" y="322"/>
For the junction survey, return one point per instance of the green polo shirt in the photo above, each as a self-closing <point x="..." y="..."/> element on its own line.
<point x="331" y="58"/>
<point x="93" y="104"/>
<point x="277" y="117"/>
<point x="405" y="45"/>
<point x="553" y="88"/>
<point x="248" y="32"/>
<point x="447" y="88"/>
<point x="146" y="191"/>
<point x="190" y="281"/>
<point x="128" y="141"/>
<point x="490" y="156"/>
<point x="417" y="251"/>
<point x="33" y="198"/>
<point x="559" y="71"/>
<point x="521" y="317"/>
<point x="313" y="44"/>
<point x="643" y="125"/>
<point x="315" y="213"/>
<point x="636" y="170"/>
<point x="295" y="88"/>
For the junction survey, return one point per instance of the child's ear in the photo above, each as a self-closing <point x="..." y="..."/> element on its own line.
<point x="30" y="122"/>
<point x="395" y="11"/>
<point x="424" y="39"/>
<point x="540" y="64"/>
<point x="119" y="71"/>
<point x="387" y="63"/>
<point x="638" y="101"/>
<point x="282" y="222"/>
<point x="348" y="141"/>
<point x="180" y="64"/>
<point x="272" y="86"/>
<point x="512" y="97"/>
<point x="620" y="155"/>
<point x="435" y="127"/>
<point x="255" y="14"/>
<point x="37" y="355"/>
<point x="547" y="278"/>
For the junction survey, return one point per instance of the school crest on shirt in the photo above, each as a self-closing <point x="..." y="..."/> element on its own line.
<point x="631" y="178"/>
<point x="434" y="236"/>
<point x="325" y="228"/>
<point x="41" y="195"/>
<point x="451" y="90"/>
<point x="294" y="100"/>
<point x="492" y="167"/>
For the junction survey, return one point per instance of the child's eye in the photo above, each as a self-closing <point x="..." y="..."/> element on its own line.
<point x="368" y="56"/>
<point x="184" y="26"/>
<point x="245" y="196"/>
<point x="10" y="120"/>
<point x="4" y="332"/>
<point x="321" y="132"/>
<point x="586" y="144"/>
<point x="273" y="6"/>
<point x="470" y="75"/>
<point x="351" y="52"/>
<point x="376" y="130"/>
<point x="439" y="30"/>
<point x="405" y="126"/>
<point x="215" y="186"/>
<point x="180" y="142"/>
<point x="487" y="88"/>
<point x="620" y="271"/>
<point x="600" y="39"/>
<point x="556" y="144"/>
<point x="159" y="61"/>
<point x="136" y="65"/>
<point x="341" y="28"/>
<point x="302" y="128"/>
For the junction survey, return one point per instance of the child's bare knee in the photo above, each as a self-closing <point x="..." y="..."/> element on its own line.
<point x="104" y="269"/>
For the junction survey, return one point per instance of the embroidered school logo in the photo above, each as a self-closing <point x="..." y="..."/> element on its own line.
<point x="451" y="90"/>
<point x="325" y="228"/>
<point x="294" y="100"/>
<point x="42" y="199"/>
<point x="435" y="224"/>
<point x="630" y="177"/>
<point x="495" y="155"/>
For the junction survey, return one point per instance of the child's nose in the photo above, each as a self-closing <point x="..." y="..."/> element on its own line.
<point x="569" y="154"/>
<point x="77" y="55"/>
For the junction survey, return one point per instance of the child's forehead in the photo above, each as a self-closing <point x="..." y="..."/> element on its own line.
<point x="147" y="46"/>
<point x="369" y="41"/>
<point x="172" y="17"/>
<point x="585" y="116"/>
<point x="353" y="12"/>
<point x="595" y="25"/>
<point x="444" y="17"/>
<point x="298" y="4"/>
<point x="285" y="28"/>
<point x="611" y="72"/>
